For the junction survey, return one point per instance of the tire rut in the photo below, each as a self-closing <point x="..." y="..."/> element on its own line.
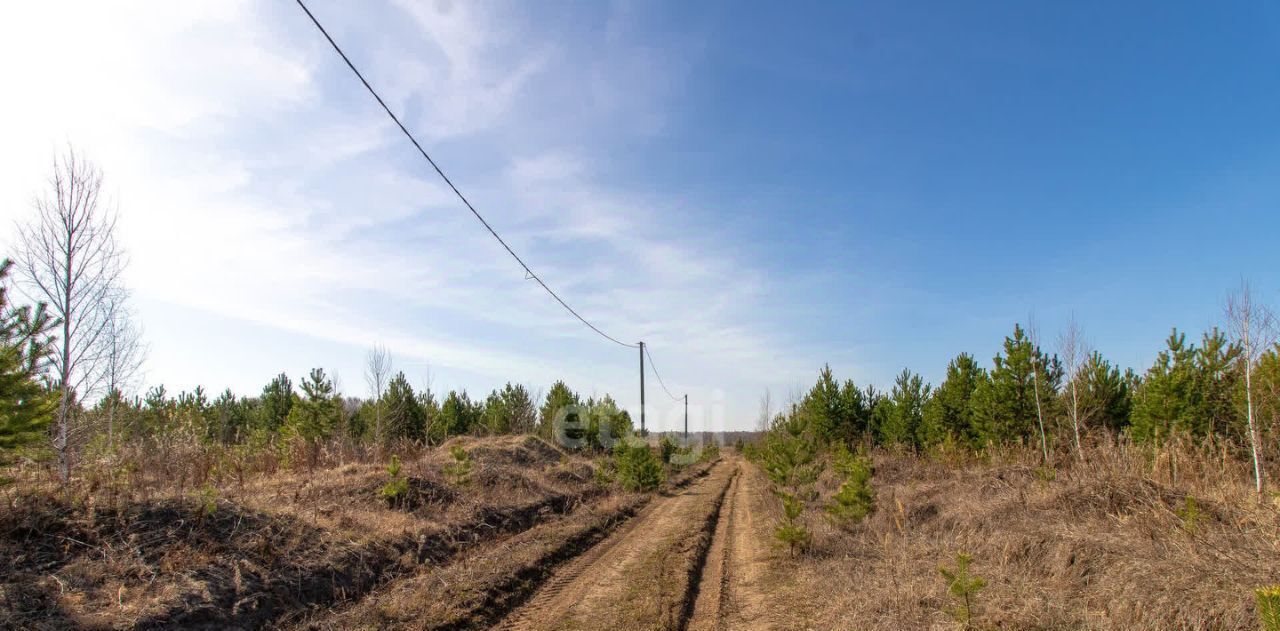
<point x="713" y="598"/>
<point x="732" y="594"/>
<point x="590" y="587"/>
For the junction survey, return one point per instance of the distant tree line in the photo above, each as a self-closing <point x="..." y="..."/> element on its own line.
<point x="70" y="358"/>
<point x="314" y="411"/>
<point x="1213" y="390"/>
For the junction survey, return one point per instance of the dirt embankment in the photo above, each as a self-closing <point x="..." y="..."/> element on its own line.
<point x="274" y="549"/>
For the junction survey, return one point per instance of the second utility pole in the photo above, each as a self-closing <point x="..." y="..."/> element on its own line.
<point x="642" y="432"/>
<point x="686" y="419"/>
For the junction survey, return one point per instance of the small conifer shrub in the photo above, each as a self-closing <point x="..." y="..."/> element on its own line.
<point x="710" y="452"/>
<point x="790" y="531"/>
<point x="395" y="491"/>
<point x="855" y="499"/>
<point x="638" y="468"/>
<point x="667" y="448"/>
<point x="460" y="470"/>
<point x="1268" y="603"/>
<point x="208" y="500"/>
<point x="1190" y="515"/>
<point x="963" y="587"/>
<point x="789" y="460"/>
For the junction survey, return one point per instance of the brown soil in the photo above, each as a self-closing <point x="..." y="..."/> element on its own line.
<point x="477" y="589"/>
<point x="733" y="594"/>
<point x="647" y="574"/>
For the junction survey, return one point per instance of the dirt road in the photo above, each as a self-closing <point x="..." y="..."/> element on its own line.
<point x="732" y="595"/>
<point x="689" y="560"/>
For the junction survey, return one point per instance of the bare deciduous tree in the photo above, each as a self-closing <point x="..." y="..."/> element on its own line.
<point x="125" y="354"/>
<point x="1253" y="327"/>
<point x="765" y="419"/>
<point x="1074" y="350"/>
<point x="376" y="373"/>
<point x="1033" y="332"/>
<point x="69" y="259"/>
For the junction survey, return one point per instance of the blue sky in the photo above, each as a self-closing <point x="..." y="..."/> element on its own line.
<point x="754" y="189"/>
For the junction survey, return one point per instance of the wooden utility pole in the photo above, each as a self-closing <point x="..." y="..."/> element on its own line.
<point x="686" y="419"/>
<point x="642" y="432"/>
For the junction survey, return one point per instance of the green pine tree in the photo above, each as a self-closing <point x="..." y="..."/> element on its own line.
<point x="558" y="398"/>
<point x="458" y="415"/>
<point x="949" y="413"/>
<point x="519" y="406"/>
<point x="314" y="416"/>
<point x="430" y="414"/>
<point x="606" y="423"/>
<point x="1267" y="604"/>
<point x="1218" y="379"/>
<point x="638" y="468"/>
<point x="26" y="402"/>
<point x="1266" y="382"/>
<point x="403" y="417"/>
<point x="824" y="406"/>
<point x="789" y="459"/>
<point x="855" y="410"/>
<point x="275" y="404"/>
<point x="1005" y="402"/>
<point x="1166" y="400"/>
<point x="495" y="419"/>
<point x="1105" y="394"/>
<point x="963" y="586"/>
<point x="907" y="400"/>
<point x="881" y="408"/>
<point x="855" y="498"/>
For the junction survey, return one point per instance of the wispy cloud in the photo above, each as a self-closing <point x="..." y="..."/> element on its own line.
<point x="257" y="183"/>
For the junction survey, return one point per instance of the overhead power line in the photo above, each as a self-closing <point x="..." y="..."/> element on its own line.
<point x="655" y="374"/>
<point x="528" y="272"/>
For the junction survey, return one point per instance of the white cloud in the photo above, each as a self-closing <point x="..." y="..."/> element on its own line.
<point x="257" y="183"/>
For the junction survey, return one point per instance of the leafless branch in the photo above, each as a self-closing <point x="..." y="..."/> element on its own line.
<point x="69" y="258"/>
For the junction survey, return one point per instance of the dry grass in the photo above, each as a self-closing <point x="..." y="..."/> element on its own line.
<point x="219" y="549"/>
<point x="478" y="589"/>
<point x="1102" y="545"/>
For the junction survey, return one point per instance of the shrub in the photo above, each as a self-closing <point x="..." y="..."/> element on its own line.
<point x="855" y="499"/>
<point x="788" y="459"/>
<point x="638" y="469"/>
<point x="604" y="474"/>
<point x="1268" y="601"/>
<point x="790" y="530"/>
<point x="208" y="500"/>
<point x="964" y="587"/>
<point x="667" y="447"/>
<point x="1190" y="515"/>
<point x="395" y="490"/>
<point x="789" y="462"/>
<point x="710" y="452"/>
<point x="460" y="470"/>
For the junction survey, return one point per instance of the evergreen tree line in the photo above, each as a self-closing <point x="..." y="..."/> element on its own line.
<point x="314" y="411"/>
<point x="1027" y="396"/>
